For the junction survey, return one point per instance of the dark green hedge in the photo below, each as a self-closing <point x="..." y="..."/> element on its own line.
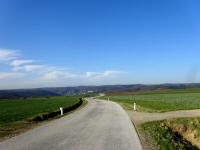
<point x="49" y="115"/>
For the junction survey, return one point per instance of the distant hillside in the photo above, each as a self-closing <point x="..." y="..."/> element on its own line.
<point x="10" y="94"/>
<point x="24" y="93"/>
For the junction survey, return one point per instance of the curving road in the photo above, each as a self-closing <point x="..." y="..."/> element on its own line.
<point x="101" y="125"/>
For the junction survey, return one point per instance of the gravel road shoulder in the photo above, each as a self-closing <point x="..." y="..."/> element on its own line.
<point x="142" y="117"/>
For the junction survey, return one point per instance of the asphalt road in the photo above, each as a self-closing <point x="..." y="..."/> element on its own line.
<point x="101" y="125"/>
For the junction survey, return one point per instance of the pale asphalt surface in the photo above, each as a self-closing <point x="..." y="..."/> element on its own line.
<point x="101" y="125"/>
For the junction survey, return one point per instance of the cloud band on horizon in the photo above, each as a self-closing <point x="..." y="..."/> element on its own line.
<point x="30" y="74"/>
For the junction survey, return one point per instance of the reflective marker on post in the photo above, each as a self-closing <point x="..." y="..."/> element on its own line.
<point x="61" y="111"/>
<point x="134" y="107"/>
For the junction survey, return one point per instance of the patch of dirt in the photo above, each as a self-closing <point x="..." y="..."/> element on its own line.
<point x="142" y="117"/>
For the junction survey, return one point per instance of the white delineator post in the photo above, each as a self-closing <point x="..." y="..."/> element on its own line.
<point x="134" y="107"/>
<point x="108" y="99"/>
<point x="61" y="111"/>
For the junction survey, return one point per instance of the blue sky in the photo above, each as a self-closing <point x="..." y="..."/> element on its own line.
<point x="94" y="42"/>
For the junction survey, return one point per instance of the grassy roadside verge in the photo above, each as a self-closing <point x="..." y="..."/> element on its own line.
<point x="159" y="102"/>
<point x="170" y="134"/>
<point x="20" y="114"/>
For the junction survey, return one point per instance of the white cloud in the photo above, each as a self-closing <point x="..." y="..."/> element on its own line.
<point x="19" y="62"/>
<point x="38" y="68"/>
<point x="108" y="73"/>
<point x="10" y="75"/>
<point x="28" y="73"/>
<point x="111" y="73"/>
<point x="34" y="68"/>
<point x="57" y="75"/>
<point x="6" y="54"/>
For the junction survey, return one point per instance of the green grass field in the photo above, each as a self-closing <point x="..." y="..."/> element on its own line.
<point x="15" y="114"/>
<point x="160" y="102"/>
